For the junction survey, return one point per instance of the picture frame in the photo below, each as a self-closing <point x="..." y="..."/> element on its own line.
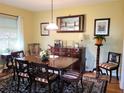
<point x="101" y="27"/>
<point x="58" y="43"/>
<point x="43" y="30"/>
<point x="73" y="23"/>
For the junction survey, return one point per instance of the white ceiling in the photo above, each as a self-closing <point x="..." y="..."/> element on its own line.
<point x="39" y="5"/>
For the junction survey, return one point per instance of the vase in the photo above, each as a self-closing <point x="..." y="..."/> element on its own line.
<point x="45" y="58"/>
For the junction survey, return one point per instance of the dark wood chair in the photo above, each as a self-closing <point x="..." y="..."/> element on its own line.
<point x="8" y="60"/>
<point x="9" y="64"/>
<point x="43" y="74"/>
<point x="71" y="76"/>
<point x="112" y="63"/>
<point x="33" y="49"/>
<point x="96" y="85"/>
<point x="18" y="54"/>
<point x="22" y="70"/>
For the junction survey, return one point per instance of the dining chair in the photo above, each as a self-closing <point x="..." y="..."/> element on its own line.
<point x="112" y="63"/>
<point x="71" y="76"/>
<point x="18" y="54"/>
<point x="96" y="85"/>
<point x="9" y="62"/>
<point x="22" y="70"/>
<point x="43" y="74"/>
<point x="8" y="66"/>
<point x="34" y="49"/>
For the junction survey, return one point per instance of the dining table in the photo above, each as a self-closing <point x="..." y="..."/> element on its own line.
<point x="58" y="62"/>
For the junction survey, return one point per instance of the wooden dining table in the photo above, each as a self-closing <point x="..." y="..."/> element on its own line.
<point x="58" y="62"/>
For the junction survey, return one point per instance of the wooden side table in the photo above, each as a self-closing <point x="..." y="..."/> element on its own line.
<point x="98" y="70"/>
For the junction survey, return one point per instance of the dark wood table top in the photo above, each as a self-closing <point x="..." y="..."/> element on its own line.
<point x="54" y="61"/>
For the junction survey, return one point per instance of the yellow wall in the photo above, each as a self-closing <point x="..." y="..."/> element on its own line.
<point x="123" y="18"/>
<point x="112" y="10"/>
<point x="28" y="20"/>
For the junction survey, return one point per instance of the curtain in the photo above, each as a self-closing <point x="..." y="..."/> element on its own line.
<point x="20" y="41"/>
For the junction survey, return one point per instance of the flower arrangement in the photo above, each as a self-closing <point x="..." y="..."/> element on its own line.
<point x="44" y="55"/>
<point x="99" y="39"/>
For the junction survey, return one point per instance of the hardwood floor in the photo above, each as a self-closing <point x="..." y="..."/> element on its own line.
<point x="112" y="87"/>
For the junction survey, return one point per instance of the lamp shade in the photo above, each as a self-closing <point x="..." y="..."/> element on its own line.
<point x="52" y="26"/>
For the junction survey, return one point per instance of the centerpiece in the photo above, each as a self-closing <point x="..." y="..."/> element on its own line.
<point x="44" y="55"/>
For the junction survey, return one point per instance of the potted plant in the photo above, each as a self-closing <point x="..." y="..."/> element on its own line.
<point x="99" y="39"/>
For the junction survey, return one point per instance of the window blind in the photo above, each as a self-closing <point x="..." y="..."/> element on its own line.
<point x="8" y="33"/>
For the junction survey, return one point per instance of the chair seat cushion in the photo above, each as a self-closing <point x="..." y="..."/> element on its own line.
<point x="41" y="79"/>
<point x="109" y="65"/>
<point x="23" y="74"/>
<point x="71" y="75"/>
<point x="44" y="78"/>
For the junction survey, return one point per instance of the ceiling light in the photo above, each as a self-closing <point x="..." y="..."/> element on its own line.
<point x="51" y="25"/>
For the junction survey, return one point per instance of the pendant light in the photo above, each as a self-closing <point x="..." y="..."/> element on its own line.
<point x="51" y="25"/>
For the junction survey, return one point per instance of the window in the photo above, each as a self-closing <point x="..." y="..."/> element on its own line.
<point x="8" y="33"/>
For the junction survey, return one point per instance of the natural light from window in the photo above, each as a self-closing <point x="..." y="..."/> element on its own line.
<point x="9" y="31"/>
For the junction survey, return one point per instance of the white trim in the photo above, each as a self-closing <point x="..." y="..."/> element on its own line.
<point x="122" y="71"/>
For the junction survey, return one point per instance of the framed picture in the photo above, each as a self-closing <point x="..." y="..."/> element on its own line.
<point x="43" y="30"/>
<point x="101" y="27"/>
<point x="71" y="23"/>
<point x="58" y="43"/>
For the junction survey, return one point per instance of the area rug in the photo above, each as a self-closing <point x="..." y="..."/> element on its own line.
<point x="9" y="85"/>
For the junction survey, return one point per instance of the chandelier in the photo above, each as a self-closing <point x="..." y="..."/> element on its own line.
<point x="52" y="25"/>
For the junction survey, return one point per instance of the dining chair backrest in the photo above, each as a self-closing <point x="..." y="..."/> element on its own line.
<point x="36" y="69"/>
<point x="54" y="70"/>
<point x="21" y="66"/>
<point x="9" y="60"/>
<point x="18" y="54"/>
<point x="34" y="49"/>
<point x="114" y="57"/>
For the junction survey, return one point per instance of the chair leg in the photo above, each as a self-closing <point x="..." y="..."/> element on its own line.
<point x="107" y="72"/>
<point x="30" y="85"/>
<point x="14" y="73"/>
<point x="49" y="87"/>
<point x="100" y="70"/>
<point x="18" y="84"/>
<point x="58" y="83"/>
<point x="110" y="76"/>
<point x="82" y="84"/>
<point x="117" y="74"/>
<point x="61" y="90"/>
<point x="35" y="86"/>
<point x="77" y="87"/>
<point x="23" y="80"/>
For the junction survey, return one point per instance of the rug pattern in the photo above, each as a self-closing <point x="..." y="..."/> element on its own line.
<point x="10" y="86"/>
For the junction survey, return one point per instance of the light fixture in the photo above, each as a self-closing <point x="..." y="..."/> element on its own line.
<point x="51" y="25"/>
